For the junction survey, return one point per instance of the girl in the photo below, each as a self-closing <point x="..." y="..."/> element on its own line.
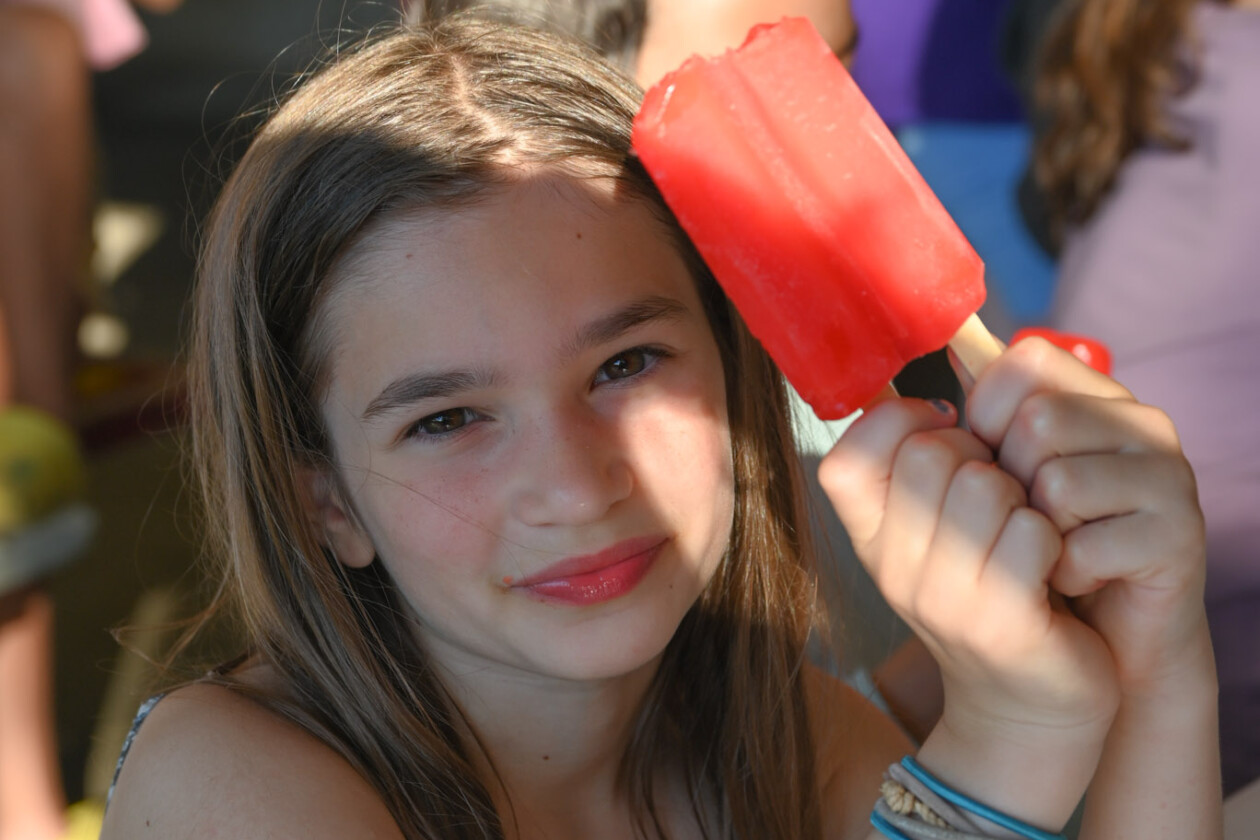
<point x="506" y="501"/>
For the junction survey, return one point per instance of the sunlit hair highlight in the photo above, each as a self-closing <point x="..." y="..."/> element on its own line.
<point x="434" y="117"/>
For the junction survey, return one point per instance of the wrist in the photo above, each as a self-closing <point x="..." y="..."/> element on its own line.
<point x="1159" y="775"/>
<point x="1034" y="773"/>
<point x="1187" y="679"/>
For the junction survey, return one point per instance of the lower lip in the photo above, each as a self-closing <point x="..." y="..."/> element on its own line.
<point x="598" y="586"/>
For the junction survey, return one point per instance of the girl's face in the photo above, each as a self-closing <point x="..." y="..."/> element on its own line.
<point x="527" y="406"/>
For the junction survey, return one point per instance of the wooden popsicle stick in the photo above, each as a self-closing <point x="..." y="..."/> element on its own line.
<point x="888" y="392"/>
<point x="975" y="346"/>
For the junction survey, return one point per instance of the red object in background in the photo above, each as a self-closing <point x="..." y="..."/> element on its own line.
<point x="1090" y="351"/>
<point x="836" y="252"/>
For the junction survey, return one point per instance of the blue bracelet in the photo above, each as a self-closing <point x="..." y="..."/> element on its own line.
<point x="886" y="828"/>
<point x="955" y="798"/>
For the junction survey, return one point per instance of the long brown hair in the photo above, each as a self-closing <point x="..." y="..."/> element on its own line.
<point x="1108" y="69"/>
<point x="429" y="117"/>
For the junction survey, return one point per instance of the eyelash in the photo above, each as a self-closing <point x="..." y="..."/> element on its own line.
<point x="416" y="430"/>
<point x="651" y="356"/>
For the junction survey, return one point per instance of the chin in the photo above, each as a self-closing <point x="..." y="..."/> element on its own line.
<point x="613" y="652"/>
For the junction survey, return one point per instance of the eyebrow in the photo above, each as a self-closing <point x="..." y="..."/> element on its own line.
<point x="418" y="387"/>
<point x="618" y="323"/>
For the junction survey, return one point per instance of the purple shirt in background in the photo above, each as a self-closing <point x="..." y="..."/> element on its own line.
<point x="935" y="60"/>
<point x="1167" y="274"/>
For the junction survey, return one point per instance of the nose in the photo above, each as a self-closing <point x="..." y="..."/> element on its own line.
<point x="570" y="468"/>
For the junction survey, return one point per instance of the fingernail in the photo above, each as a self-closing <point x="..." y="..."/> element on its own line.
<point x="942" y="406"/>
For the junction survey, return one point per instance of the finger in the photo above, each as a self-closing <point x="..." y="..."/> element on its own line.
<point x="980" y="500"/>
<point x="1090" y="558"/>
<point x="1078" y="489"/>
<point x="1021" y="562"/>
<point x="1029" y="367"/>
<point x="924" y="470"/>
<point x="856" y="473"/>
<point x="1051" y="424"/>
<point x="996" y="610"/>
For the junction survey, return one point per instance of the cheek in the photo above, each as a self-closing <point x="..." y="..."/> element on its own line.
<point x="433" y="526"/>
<point x="684" y="451"/>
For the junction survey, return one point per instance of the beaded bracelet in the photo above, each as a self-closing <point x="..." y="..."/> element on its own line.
<point x="915" y="813"/>
<point x="916" y="805"/>
<point x="901" y="827"/>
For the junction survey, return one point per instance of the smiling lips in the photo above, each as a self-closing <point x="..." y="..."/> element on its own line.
<point x="595" y="578"/>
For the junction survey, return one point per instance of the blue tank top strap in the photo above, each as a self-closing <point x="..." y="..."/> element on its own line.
<point x="141" y="714"/>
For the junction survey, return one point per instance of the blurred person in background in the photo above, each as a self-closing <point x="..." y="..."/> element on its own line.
<point x="1148" y="168"/>
<point x="676" y="30"/>
<point x="47" y="53"/>
<point x="651" y="37"/>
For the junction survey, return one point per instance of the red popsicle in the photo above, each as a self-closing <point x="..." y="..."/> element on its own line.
<point x="834" y="249"/>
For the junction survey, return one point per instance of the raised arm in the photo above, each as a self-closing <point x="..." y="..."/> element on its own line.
<point x="680" y="28"/>
<point x="1066" y="487"/>
<point x="1110" y="474"/>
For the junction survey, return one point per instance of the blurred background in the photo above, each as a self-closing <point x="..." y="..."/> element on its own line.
<point x="167" y="122"/>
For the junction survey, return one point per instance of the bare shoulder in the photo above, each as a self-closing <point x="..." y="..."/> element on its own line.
<point x="856" y="743"/>
<point x="209" y="762"/>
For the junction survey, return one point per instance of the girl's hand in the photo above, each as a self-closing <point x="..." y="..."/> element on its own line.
<point x="1065" y="486"/>
<point x="957" y="551"/>
<point x="1109" y="473"/>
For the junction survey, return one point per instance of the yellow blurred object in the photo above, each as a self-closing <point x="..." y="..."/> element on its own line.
<point x="41" y="468"/>
<point x="83" y="820"/>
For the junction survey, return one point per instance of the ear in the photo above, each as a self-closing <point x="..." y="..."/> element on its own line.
<point x="330" y="515"/>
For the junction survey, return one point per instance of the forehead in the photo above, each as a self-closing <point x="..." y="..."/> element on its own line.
<point x="520" y="265"/>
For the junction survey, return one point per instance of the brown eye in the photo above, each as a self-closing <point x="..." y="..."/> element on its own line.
<point x="624" y="365"/>
<point x="632" y="363"/>
<point x="442" y="423"/>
